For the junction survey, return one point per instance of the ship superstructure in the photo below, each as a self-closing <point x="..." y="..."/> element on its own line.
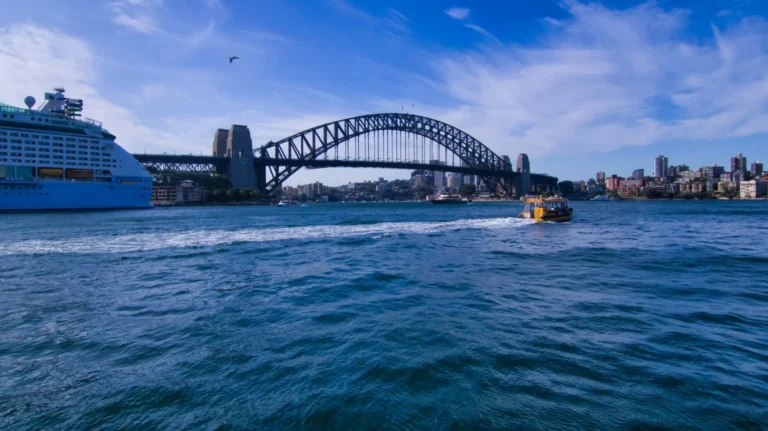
<point x="51" y="158"/>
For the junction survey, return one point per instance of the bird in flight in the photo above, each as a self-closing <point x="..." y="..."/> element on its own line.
<point x="231" y="59"/>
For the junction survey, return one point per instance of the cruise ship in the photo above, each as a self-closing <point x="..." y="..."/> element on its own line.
<point x="51" y="159"/>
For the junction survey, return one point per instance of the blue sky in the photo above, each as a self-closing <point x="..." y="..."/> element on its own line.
<point x="579" y="86"/>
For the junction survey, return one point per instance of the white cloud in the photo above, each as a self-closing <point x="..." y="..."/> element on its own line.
<point x="606" y="79"/>
<point x="136" y="15"/>
<point x="26" y="55"/>
<point x="483" y="32"/>
<point x="457" y="13"/>
<point x="198" y="38"/>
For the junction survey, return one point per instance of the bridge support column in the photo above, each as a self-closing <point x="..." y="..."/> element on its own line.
<point x="240" y="152"/>
<point x="261" y="175"/>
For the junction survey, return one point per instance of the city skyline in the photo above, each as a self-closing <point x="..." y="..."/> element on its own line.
<point x="576" y="85"/>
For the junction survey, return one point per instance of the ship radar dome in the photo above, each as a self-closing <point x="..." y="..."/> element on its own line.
<point x="29" y="101"/>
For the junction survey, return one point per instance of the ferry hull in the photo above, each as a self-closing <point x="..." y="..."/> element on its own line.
<point x="55" y="195"/>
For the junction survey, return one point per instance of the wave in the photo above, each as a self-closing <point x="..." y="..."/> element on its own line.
<point x="207" y="238"/>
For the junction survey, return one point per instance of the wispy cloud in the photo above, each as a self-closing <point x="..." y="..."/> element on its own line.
<point x="344" y="7"/>
<point x="136" y="15"/>
<point x="458" y="13"/>
<point x="606" y="79"/>
<point x="483" y="32"/>
<point x="397" y="20"/>
<point x="214" y="4"/>
<point x="198" y="38"/>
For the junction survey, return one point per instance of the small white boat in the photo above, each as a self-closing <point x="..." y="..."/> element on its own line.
<point x="286" y="203"/>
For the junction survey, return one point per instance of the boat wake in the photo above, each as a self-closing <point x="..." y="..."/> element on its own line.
<point x="207" y="238"/>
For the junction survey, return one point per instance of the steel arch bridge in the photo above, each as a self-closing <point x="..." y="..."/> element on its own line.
<point x="390" y="137"/>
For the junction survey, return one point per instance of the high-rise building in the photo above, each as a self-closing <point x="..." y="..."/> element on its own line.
<point x="739" y="163"/>
<point x="438" y="177"/>
<point x="523" y="164"/>
<point x="660" y="167"/>
<point x="454" y="181"/>
<point x="671" y="171"/>
<point x="756" y="169"/>
<point x="638" y="174"/>
<point x="600" y="177"/>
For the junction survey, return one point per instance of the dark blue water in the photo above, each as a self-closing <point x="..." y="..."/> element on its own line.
<point x="412" y="316"/>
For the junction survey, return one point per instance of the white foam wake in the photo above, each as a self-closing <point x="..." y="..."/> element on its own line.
<point x="206" y="238"/>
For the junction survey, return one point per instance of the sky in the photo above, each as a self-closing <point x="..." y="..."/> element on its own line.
<point x="579" y="86"/>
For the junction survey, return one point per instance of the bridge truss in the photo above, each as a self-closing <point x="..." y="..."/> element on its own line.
<point x="383" y="138"/>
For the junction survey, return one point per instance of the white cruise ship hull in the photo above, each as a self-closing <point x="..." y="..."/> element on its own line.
<point x="61" y="195"/>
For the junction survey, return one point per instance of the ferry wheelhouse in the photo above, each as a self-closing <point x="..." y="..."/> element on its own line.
<point x="541" y="209"/>
<point x="52" y="159"/>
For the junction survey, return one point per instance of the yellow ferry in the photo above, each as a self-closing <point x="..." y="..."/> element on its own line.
<point x="554" y="209"/>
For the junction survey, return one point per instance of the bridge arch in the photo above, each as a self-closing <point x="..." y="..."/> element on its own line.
<point x="311" y="144"/>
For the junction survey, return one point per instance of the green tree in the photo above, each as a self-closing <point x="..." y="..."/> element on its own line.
<point x="302" y="198"/>
<point x="219" y="195"/>
<point x="245" y="194"/>
<point x="257" y="194"/>
<point x="566" y="187"/>
<point x="232" y="194"/>
<point x="467" y="190"/>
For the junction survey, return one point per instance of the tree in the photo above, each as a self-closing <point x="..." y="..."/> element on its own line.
<point x="232" y="194"/>
<point x="302" y="197"/>
<point x="257" y="194"/>
<point x="653" y="193"/>
<point x="467" y="190"/>
<point x="566" y="187"/>
<point x="245" y="194"/>
<point x="219" y="195"/>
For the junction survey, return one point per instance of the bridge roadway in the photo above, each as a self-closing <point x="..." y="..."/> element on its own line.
<point x="192" y="163"/>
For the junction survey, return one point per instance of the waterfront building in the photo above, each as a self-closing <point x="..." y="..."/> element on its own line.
<point x="689" y="175"/>
<point x="630" y="187"/>
<point x="739" y="164"/>
<point x="308" y="191"/>
<point x="661" y="165"/>
<point x="180" y="193"/>
<point x="612" y="183"/>
<point x="600" y="177"/>
<point x="698" y="187"/>
<point x="638" y="174"/>
<point x="723" y="186"/>
<point x="756" y="169"/>
<point x="753" y="189"/>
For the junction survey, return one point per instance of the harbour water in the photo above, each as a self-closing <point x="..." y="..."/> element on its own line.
<point x="637" y="315"/>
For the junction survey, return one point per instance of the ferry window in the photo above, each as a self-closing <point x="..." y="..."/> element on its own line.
<point x="58" y="138"/>
<point x="14" y="134"/>
<point x="15" y="141"/>
<point x="94" y="142"/>
<point x="36" y="136"/>
<point x="25" y="135"/>
<point x="57" y="145"/>
<point x="82" y="140"/>
<point x="70" y="146"/>
<point x="70" y="139"/>
<point x="29" y="142"/>
<point x="46" y="137"/>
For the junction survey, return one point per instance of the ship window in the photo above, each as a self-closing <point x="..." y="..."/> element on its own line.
<point x="14" y="134"/>
<point x="94" y="148"/>
<point x="36" y="136"/>
<point x="71" y="151"/>
<point x="25" y="135"/>
<point x="3" y="134"/>
<point x="57" y="145"/>
<point x="94" y="142"/>
<point x="70" y="139"/>
<point x="84" y="147"/>
<point x="3" y="146"/>
<point x="29" y="142"/>
<point x="105" y="154"/>
<point x="82" y="140"/>
<point x="3" y="140"/>
<point x="15" y="141"/>
<point x="58" y="138"/>
<point x="94" y="154"/>
<point x="46" y="137"/>
<point x="70" y="146"/>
